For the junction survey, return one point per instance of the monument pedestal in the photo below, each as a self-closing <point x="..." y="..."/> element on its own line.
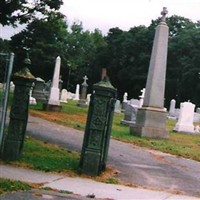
<point x="151" y="123"/>
<point x="54" y="108"/>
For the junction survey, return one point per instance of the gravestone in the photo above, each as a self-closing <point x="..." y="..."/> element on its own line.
<point x="76" y="98"/>
<point x="88" y="98"/>
<point x="64" y="96"/>
<point x="172" y="109"/>
<point x="185" y="120"/>
<point x="125" y="100"/>
<point x="117" y="107"/>
<point x="135" y="102"/>
<point x="83" y="101"/>
<point x="39" y="92"/>
<point x="151" y="118"/>
<point x="142" y="97"/>
<point x="54" y="96"/>
<point x="129" y="114"/>
<point x="32" y="100"/>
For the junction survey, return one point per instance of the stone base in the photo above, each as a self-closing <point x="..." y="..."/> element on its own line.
<point x="150" y="123"/>
<point x="184" y="128"/>
<point x="91" y="163"/>
<point x="12" y="150"/>
<point x="54" y="108"/>
<point x="82" y="103"/>
<point x="125" y="122"/>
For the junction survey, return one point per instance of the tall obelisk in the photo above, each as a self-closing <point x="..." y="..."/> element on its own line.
<point x="151" y="118"/>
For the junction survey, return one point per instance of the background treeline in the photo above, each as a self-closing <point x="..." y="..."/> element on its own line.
<point x="126" y="55"/>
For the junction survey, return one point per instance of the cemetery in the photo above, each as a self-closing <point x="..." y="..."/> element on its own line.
<point x="36" y="112"/>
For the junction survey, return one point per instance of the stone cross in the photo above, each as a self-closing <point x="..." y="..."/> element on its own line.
<point x="85" y="78"/>
<point x="164" y="13"/>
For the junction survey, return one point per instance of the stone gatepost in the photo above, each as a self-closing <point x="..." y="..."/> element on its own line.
<point x="151" y="118"/>
<point x="98" y="128"/>
<point x="14" y="139"/>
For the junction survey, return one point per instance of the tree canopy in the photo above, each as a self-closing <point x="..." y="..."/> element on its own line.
<point x="126" y="55"/>
<point x="15" y="11"/>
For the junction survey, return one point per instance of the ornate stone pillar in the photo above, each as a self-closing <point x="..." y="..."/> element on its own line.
<point x="98" y="128"/>
<point x="14" y="139"/>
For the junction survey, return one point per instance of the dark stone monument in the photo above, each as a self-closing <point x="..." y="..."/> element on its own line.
<point x="14" y="139"/>
<point x="83" y="98"/>
<point x="98" y="128"/>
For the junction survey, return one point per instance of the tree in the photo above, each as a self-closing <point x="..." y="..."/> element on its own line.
<point x="15" y="11"/>
<point x="44" y="40"/>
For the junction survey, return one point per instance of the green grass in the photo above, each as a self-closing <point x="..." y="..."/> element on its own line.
<point x="178" y="144"/>
<point x="46" y="157"/>
<point x="12" y="186"/>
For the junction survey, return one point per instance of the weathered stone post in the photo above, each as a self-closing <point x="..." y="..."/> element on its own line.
<point x="98" y="128"/>
<point x="151" y="118"/>
<point x="14" y="139"/>
<point x="83" y="101"/>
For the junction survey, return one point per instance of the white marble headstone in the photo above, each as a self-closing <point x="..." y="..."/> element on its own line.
<point x="64" y="96"/>
<point x="186" y="117"/>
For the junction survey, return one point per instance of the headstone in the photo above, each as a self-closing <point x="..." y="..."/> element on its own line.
<point x="135" y="102"/>
<point x="54" y="100"/>
<point x="125" y="97"/>
<point x="12" y="86"/>
<point x="129" y="115"/>
<point x="88" y="98"/>
<point x="70" y="96"/>
<point x="125" y="100"/>
<point x="117" y="107"/>
<point x="198" y="110"/>
<point x="185" y="120"/>
<point x="83" y="100"/>
<point x="142" y="97"/>
<point x="76" y="98"/>
<point x="64" y="96"/>
<point x="32" y="100"/>
<point x="151" y="118"/>
<point x="172" y="108"/>
<point x="39" y="92"/>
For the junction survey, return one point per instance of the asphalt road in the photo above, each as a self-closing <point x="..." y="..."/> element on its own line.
<point x="136" y="165"/>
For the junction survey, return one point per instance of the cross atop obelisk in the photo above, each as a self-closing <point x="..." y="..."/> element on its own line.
<point x="164" y="13"/>
<point x="85" y="78"/>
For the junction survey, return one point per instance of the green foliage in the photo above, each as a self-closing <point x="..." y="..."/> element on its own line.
<point x="13" y="12"/>
<point x="126" y="55"/>
<point x="12" y="186"/>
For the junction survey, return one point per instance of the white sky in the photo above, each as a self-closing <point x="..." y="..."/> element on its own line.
<point x="106" y="14"/>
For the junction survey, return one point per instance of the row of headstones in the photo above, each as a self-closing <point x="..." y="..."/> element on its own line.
<point x="185" y="116"/>
<point x="12" y="86"/>
<point x="41" y="90"/>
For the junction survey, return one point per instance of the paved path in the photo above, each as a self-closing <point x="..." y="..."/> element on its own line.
<point x="137" y="166"/>
<point x="80" y="187"/>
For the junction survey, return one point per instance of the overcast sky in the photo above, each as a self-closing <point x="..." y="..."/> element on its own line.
<point x="106" y="14"/>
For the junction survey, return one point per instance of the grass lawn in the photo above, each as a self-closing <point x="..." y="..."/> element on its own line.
<point x="12" y="186"/>
<point x="184" y="145"/>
